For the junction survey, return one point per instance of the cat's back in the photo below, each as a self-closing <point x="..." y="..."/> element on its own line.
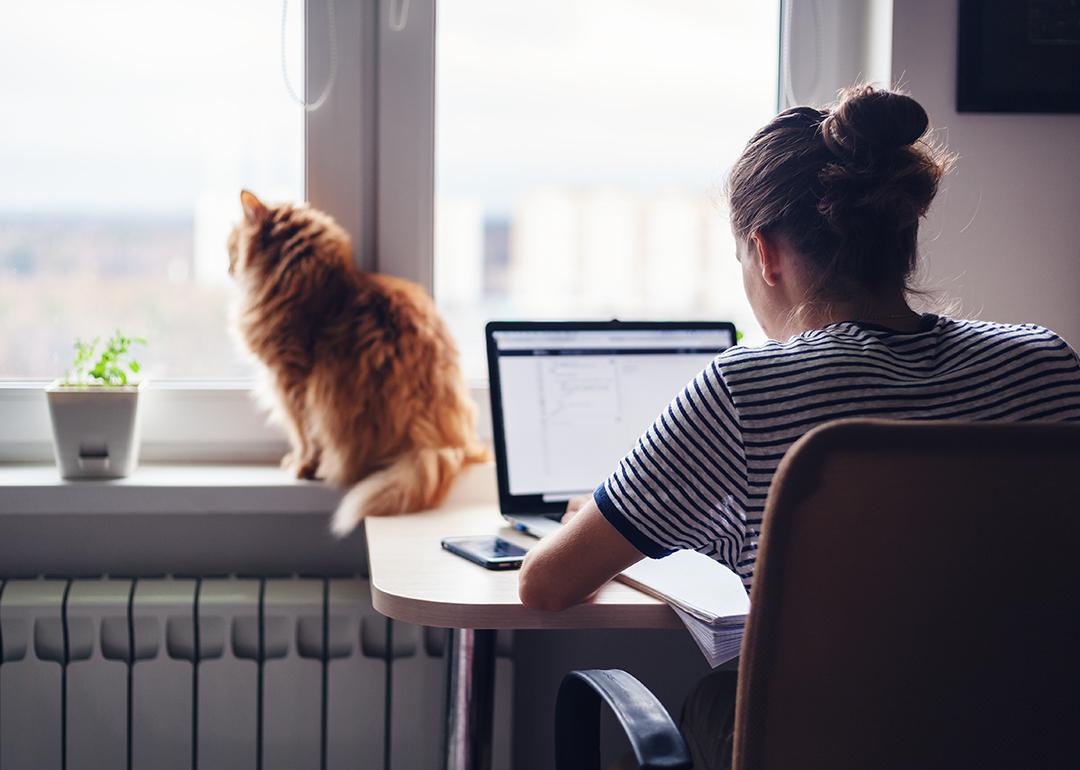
<point x="400" y="291"/>
<point x="407" y="308"/>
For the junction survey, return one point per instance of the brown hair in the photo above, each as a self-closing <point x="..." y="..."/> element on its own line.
<point x="845" y="186"/>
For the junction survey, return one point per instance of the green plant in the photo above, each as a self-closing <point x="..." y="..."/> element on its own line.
<point x="111" y="366"/>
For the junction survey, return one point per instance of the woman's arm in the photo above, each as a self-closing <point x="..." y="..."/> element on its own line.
<point x="571" y="565"/>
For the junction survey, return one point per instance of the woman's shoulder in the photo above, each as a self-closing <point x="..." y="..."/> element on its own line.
<point x="865" y="341"/>
<point x="1033" y="332"/>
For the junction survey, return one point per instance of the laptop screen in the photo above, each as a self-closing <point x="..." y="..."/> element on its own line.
<point x="572" y="401"/>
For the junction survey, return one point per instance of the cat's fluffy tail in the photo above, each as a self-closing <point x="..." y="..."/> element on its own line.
<point x="415" y="481"/>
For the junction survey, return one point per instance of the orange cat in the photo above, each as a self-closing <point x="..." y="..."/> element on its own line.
<point x="363" y="372"/>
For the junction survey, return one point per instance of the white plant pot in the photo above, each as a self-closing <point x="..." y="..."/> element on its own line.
<point x="95" y="429"/>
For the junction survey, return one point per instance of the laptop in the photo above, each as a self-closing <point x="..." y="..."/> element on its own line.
<point x="570" y="398"/>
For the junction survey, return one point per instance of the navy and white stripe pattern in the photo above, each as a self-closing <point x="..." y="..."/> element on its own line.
<point x="697" y="479"/>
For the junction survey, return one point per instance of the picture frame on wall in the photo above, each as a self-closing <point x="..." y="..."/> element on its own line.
<point x="1018" y="56"/>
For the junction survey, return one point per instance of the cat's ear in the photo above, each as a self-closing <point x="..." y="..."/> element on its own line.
<point x="255" y="211"/>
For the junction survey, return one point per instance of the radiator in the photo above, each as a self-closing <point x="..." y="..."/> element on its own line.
<point x="216" y="673"/>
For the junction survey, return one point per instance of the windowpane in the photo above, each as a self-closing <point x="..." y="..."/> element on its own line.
<point x="581" y="150"/>
<point x="128" y="129"/>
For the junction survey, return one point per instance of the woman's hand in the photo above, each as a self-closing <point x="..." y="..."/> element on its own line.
<point x="570" y="565"/>
<point x="573" y="505"/>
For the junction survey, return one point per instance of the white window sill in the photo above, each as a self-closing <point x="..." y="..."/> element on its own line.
<point x="184" y="520"/>
<point x="241" y="489"/>
<point x="192" y="489"/>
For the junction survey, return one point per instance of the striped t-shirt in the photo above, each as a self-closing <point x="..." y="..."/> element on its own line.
<point x="698" y="477"/>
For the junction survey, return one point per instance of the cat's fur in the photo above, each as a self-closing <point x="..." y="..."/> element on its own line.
<point x="364" y="375"/>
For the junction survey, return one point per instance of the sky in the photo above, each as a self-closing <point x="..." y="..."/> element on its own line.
<point x="130" y="106"/>
<point x="635" y="94"/>
<point x="138" y="106"/>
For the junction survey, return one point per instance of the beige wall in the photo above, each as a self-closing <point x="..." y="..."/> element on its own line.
<point x="1003" y="236"/>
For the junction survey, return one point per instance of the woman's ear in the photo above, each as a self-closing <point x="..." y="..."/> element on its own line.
<point x="255" y="211"/>
<point x="765" y="249"/>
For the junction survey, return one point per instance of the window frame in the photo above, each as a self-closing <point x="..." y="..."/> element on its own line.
<point x="369" y="161"/>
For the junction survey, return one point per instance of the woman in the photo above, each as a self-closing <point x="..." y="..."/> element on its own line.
<point x="825" y="208"/>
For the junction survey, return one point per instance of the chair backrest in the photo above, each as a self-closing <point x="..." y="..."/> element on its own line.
<point x="916" y="601"/>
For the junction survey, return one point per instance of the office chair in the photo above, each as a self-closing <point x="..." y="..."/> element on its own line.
<point x="916" y="604"/>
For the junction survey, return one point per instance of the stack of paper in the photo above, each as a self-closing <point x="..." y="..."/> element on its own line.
<point x="706" y="595"/>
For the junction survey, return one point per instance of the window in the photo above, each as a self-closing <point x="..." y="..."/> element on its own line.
<point x="581" y="150"/>
<point x="133" y="126"/>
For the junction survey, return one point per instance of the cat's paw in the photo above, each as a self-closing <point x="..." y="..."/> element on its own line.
<point x="308" y="469"/>
<point x="301" y="468"/>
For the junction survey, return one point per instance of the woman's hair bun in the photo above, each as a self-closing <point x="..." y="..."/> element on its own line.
<point x="866" y="121"/>
<point x="846" y="187"/>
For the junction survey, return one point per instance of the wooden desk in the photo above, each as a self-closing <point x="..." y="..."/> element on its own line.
<point x="414" y="580"/>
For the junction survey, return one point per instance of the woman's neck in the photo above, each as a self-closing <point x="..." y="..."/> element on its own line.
<point x="892" y="312"/>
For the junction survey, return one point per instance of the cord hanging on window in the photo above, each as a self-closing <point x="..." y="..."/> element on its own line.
<point x="399" y="20"/>
<point x="332" y="26"/>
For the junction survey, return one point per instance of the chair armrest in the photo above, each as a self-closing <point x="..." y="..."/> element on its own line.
<point x="654" y="738"/>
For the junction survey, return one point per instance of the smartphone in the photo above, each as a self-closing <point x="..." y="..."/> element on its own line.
<point x="489" y="552"/>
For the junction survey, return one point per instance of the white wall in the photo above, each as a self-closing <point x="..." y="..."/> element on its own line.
<point x="1003" y="236"/>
